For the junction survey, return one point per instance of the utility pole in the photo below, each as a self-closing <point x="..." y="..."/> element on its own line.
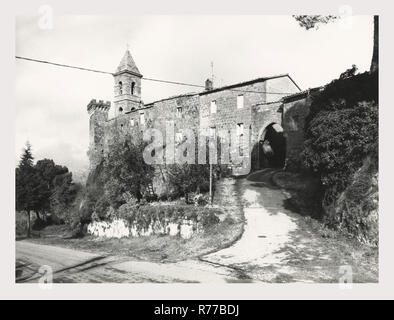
<point x="210" y="182"/>
<point x="212" y="153"/>
<point x="212" y="76"/>
<point x="212" y="136"/>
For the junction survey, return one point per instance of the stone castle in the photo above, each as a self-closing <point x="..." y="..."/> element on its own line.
<point x="273" y="108"/>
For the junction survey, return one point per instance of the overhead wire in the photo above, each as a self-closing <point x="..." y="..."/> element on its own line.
<point x="146" y="79"/>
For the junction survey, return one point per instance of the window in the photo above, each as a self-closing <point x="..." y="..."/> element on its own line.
<point x="179" y="112"/>
<point x="178" y="137"/>
<point x="240" y="101"/>
<point x="142" y="118"/>
<point x="132" y="87"/>
<point x="240" y="129"/>
<point x="120" y="87"/>
<point x="132" y="122"/>
<point x="213" y="106"/>
<point x="120" y="109"/>
<point x="240" y="134"/>
<point x="212" y="132"/>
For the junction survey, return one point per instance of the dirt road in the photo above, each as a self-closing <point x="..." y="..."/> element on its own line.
<point x="277" y="246"/>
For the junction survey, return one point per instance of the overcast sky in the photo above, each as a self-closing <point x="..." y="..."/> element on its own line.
<point x="51" y="101"/>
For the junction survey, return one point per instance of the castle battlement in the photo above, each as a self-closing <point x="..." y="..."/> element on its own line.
<point x="100" y="106"/>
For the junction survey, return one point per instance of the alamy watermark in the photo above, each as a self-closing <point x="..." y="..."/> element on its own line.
<point x="202" y="146"/>
<point x="46" y="277"/>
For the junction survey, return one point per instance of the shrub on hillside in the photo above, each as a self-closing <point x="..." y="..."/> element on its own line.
<point x="338" y="141"/>
<point x="356" y="210"/>
<point x="341" y="132"/>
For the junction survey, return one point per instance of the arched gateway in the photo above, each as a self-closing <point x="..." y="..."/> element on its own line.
<point x="270" y="148"/>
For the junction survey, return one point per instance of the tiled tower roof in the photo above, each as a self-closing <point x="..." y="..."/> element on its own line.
<point x="127" y="64"/>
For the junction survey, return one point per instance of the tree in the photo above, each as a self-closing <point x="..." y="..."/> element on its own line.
<point x="42" y="187"/>
<point x="126" y="171"/>
<point x="47" y="171"/>
<point x="63" y="195"/>
<point x="187" y="178"/>
<point x="375" y="55"/>
<point x="27" y="185"/>
<point x="314" y="21"/>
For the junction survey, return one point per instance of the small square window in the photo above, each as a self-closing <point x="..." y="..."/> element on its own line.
<point x="213" y="106"/>
<point x="240" y="101"/>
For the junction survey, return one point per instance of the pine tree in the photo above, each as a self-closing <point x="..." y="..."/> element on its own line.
<point x="27" y="157"/>
<point x="26" y="185"/>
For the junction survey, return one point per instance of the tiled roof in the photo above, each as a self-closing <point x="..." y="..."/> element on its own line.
<point x="300" y="95"/>
<point x="173" y="97"/>
<point x="240" y="84"/>
<point x="127" y="64"/>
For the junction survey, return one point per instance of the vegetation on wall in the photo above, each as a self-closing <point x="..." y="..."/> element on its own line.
<point x="341" y="132"/>
<point x="144" y="215"/>
<point x="123" y="173"/>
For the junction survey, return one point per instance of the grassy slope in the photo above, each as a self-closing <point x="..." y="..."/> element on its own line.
<point x="339" y="249"/>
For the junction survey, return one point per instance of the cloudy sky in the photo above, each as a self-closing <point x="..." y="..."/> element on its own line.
<point x="51" y="101"/>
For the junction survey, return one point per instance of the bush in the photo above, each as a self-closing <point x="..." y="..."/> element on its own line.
<point x="356" y="210"/>
<point x="200" y="200"/>
<point x="144" y="215"/>
<point x="185" y="179"/>
<point x="338" y="141"/>
<point x="209" y="218"/>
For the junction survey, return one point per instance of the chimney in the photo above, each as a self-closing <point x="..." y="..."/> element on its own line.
<point x="208" y="85"/>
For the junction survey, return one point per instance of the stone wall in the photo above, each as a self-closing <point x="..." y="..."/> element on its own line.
<point x="98" y="112"/>
<point x="228" y="116"/>
<point x="280" y="87"/>
<point x="193" y="111"/>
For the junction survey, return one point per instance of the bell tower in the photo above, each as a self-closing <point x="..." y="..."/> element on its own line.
<point x="127" y="85"/>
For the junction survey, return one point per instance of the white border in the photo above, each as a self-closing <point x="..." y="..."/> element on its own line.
<point x="10" y="290"/>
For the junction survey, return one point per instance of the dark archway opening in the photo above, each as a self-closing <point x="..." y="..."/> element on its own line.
<point x="272" y="147"/>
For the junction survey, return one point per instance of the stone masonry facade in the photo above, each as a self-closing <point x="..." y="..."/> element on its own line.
<point x="252" y="105"/>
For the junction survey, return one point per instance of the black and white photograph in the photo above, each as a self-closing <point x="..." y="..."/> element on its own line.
<point x="196" y="149"/>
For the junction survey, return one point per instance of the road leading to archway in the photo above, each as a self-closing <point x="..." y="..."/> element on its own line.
<point x="279" y="245"/>
<point x="268" y="229"/>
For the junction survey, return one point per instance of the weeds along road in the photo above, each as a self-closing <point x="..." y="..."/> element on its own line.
<point x="277" y="246"/>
